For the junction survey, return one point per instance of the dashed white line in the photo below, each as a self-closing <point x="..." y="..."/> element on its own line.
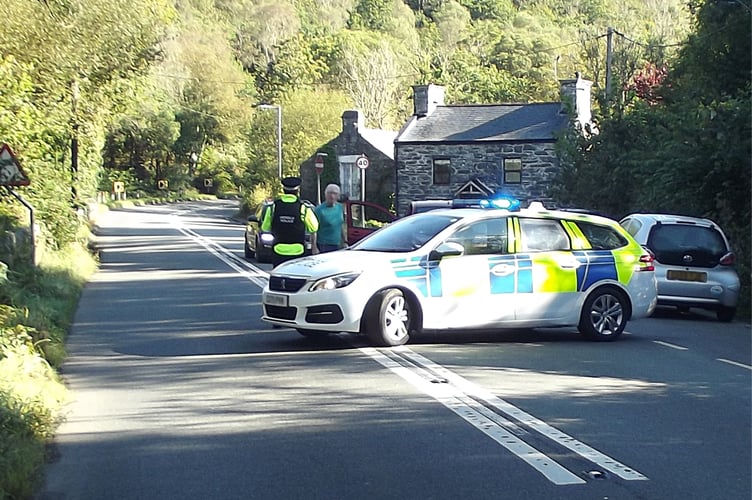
<point x="735" y="363"/>
<point x="672" y="346"/>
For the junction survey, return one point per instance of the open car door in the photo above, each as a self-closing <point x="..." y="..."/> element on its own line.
<point x="363" y="218"/>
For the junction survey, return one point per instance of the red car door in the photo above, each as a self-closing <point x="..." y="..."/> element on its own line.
<point x="363" y="218"/>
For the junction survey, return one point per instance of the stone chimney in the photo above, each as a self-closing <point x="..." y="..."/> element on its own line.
<point x="575" y="96"/>
<point x="426" y="98"/>
<point x="352" y="121"/>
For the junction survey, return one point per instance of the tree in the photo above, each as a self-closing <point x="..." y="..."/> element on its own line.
<point x="373" y="15"/>
<point x="369" y="71"/>
<point x="684" y="146"/>
<point x="76" y="55"/>
<point x="498" y="10"/>
<point x="304" y="129"/>
<point x="451" y="21"/>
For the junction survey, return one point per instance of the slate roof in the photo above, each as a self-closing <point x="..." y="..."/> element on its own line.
<point x="536" y="122"/>
<point x="383" y="140"/>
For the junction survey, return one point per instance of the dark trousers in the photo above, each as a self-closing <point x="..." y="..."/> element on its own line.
<point x="279" y="259"/>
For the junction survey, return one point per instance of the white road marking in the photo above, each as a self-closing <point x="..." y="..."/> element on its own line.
<point x="530" y="421"/>
<point x="471" y="411"/>
<point x="735" y="363"/>
<point x="672" y="346"/>
<point x="258" y="276"/>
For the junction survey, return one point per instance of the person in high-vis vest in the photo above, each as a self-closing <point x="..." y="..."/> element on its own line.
<point x="288" y="220"/>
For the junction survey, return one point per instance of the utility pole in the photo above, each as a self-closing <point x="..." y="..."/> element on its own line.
<point x="609" y="55"/>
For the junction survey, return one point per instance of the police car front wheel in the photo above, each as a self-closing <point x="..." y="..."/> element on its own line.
<point x="604" y="315"/>
<point x="388" y="318"/>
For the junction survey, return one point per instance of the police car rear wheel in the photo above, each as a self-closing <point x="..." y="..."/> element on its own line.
<point x="604" y="315"/>
<point x="388" y="318"/>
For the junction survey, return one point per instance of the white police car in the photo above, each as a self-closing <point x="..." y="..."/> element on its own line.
<point x="470" y="268"/>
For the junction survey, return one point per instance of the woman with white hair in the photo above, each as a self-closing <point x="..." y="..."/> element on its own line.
<point x="332" y="233"/>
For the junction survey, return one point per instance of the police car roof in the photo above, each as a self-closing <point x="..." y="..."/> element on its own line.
<point x="536" y="212"/>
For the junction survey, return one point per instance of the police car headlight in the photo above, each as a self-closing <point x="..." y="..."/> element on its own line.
<point x="333" y="282"/>
<point x="267" y="237"/>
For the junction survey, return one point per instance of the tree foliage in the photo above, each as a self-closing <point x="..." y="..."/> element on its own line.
<point x="682" y="142"/>
<point x="169" y="90"/>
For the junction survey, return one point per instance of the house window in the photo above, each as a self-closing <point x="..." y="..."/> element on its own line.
<point x="441" y="171"/>
<point x="512" y="170"/>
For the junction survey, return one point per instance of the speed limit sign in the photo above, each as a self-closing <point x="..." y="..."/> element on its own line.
<point x="362" y="162"/>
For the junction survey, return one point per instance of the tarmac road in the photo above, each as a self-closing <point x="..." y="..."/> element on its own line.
<point x="180" y="391"/>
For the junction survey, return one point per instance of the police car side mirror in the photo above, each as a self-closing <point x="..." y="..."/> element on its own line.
<point x="446" y="249"/>
<point x="252" y="218"/>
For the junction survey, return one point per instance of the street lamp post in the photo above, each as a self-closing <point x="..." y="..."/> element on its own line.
<point x="278" y="107"/>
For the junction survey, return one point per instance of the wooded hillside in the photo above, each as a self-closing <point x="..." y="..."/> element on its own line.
<point x="93" y="91"/>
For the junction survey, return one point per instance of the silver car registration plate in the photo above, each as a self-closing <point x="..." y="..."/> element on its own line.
<point x="686" y="276"/>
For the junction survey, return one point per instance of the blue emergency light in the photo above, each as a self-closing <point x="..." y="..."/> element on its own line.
<point x="497" y="202"/>
<point x="503" y="202"/>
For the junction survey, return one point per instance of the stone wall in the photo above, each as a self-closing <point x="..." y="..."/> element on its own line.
<point x="482" y="161"/>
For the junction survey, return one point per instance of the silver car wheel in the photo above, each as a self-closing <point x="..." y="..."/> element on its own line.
<point x="396" y="318"/>
<point x="387" y="320"/>
<point x="604" y="314"/>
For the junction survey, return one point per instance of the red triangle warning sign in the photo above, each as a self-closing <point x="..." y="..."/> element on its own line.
<point x="11" y="173"/>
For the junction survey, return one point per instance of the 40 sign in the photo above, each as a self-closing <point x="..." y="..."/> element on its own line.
<point x="11" y="173"/>
<point x="362" y="162"/>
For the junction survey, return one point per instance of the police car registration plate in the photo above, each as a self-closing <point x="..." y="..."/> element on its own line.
<point x="274" y="299"/>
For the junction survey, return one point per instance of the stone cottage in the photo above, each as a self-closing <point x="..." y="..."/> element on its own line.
<point x="462" y="151"/>
<point x="342" y="153"/>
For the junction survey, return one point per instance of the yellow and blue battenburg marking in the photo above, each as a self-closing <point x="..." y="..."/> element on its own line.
<point x="517" y="273"/>
<point x="597" y="265"/>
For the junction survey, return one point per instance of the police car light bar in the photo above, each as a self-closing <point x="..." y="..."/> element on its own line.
<point x="498" y="202"/>
<point x="537" y="206"/>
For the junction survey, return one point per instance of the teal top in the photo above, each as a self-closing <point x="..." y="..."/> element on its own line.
<point x="330" y="224"/>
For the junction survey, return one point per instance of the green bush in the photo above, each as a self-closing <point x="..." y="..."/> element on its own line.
<point x="252" y="198"/>
<point x="31" y="400"/>
<point x="36" y="309"/>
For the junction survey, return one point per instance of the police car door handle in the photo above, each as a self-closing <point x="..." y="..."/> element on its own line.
<point x="503" y="269"/>
<point x="569" y="263"/>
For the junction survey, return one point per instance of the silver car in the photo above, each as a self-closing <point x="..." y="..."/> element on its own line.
<point x="694" y="264"/>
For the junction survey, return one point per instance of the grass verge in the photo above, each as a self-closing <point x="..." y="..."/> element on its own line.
<point x="37" y="305"/>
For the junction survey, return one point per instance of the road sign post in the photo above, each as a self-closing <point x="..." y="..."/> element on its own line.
<point x="12" y="175"/>
<point x="118" y="189"/>
<point x="319" y="166"/>
<point x="362" y="163"/>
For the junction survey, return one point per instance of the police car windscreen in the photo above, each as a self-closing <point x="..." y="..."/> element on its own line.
<point x="408" y="234"/>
